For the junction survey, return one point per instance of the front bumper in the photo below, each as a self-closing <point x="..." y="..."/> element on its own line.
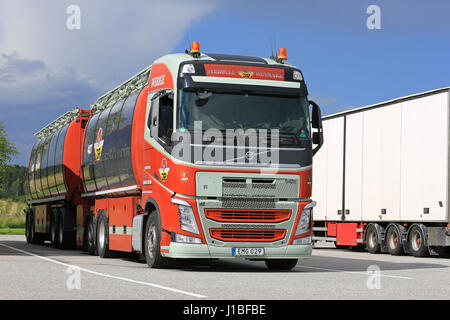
<point x="187" y="250"/>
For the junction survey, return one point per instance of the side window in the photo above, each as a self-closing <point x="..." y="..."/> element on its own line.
<point x="160" y="120"/>
<point x="165" y="125"/>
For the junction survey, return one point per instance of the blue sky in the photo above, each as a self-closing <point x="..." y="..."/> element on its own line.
<point x="46" y="69"/>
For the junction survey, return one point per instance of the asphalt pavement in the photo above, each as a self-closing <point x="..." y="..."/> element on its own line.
<point x="40" y="272"/>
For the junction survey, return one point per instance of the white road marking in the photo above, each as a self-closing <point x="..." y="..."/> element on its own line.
<point x="355" y="272"/>
<point x="107" y="275"/>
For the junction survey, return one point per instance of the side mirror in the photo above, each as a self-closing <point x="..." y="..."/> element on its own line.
<point x="316" y="123"/>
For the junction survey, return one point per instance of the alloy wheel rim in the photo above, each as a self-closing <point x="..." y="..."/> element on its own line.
<point x="393" y="240"/>
<point x="416" y="240"/>
<point x="151" y="236"/>
<point x="101" y="234"/>
<point x="372" y="239"/>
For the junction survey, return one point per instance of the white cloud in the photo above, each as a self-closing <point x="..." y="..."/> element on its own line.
<point x="117" y="38"/>
<point x="322" y="100"/>
<point x="47" y="69"/>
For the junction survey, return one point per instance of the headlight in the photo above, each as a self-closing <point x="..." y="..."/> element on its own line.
<point x="304" y="224"/>
<point x="188" y="68"/>
<point x="186" y="215"/>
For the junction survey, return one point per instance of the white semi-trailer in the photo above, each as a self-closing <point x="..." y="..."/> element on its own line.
<point x="381" y="180"/>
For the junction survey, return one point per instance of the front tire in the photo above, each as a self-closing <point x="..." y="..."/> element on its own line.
<point x="152" y="242"/>
<point x="281" y="264"/>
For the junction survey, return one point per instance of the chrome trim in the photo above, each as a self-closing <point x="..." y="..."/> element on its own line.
<point x="99" y="193"/>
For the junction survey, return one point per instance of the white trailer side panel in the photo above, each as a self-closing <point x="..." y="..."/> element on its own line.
<point x="335" y="163"/>
<point x="354" y="166"/>
<point x="390" y="161"/>
<point x="371" y="174"/>
<point x="396" y="159"/>
<point x="412" y="160"/>
<point x="435" y="155"/>
<point x="328" y="172"/>
<point x="319" y="186"/>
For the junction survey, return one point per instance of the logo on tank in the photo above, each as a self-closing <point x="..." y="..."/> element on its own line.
<point x="98" y="145"/>
<point x="163" y="170"/>
<point x="246" y="74"/>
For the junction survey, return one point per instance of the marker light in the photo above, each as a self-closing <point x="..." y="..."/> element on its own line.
<point x="188" y="68"/>
<point x="195" y="49"/>
<point x="282" y="55"/>
<point x="297" y="75"/>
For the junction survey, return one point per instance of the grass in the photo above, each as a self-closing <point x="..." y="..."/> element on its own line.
<point x="12" y="231"/>
<point x="12" y="217"/>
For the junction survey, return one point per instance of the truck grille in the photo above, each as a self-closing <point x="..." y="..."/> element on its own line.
<point x="248" y="235"/>
<point x="236" y="215"/>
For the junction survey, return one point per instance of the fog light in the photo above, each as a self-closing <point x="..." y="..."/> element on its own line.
<point x="181" y="238"/>
<point x="305" y="240"/>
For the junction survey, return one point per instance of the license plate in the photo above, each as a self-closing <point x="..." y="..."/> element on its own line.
<point x="248" y="252"/>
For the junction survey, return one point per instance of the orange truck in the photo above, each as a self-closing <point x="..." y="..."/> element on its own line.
<point x="197" y="156"/>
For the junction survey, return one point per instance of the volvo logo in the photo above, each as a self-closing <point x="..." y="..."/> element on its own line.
<point x="249" y="155"/>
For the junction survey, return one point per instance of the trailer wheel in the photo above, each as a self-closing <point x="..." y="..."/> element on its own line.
<point x="103" y="237"/>
<point x="372" y="243"/>
<point x="394" y="241"/>
<point x="66" y="239"/>
<point x="416" y="241"/>
<point x="36" y="238"/>
<point x="28" y="227"/>
<point x="152" y="242"/>
<point x="281" y="264"/>
<point x="90" y="237"/>
<point x="54" y="226"/>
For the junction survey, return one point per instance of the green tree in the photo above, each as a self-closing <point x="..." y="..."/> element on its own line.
<point x="7" y="150"/>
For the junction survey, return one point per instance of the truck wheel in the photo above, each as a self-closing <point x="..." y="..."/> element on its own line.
<point x="281" y="264"/>
<point x="394" y="241"/>
<point x="66" y="239"/>
<point x="416" y="242"/>
<point x="54" y="227"/>
<point x="372" y="244"/>
<point x="103" y="237"/>
<point x="90" y="237"/>
<point x="152" y="242"/>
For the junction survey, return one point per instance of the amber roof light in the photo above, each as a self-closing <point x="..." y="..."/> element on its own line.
<point x="282" y="55"/>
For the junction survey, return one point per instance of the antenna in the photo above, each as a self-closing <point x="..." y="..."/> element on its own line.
<point x="276" y="48"/>
<point x="188" y="44"/>
<point x="271" y="48"/>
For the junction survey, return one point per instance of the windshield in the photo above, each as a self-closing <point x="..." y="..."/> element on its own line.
<point x="240" y="110"/>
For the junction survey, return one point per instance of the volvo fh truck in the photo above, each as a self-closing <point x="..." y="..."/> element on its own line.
<point x="197" y="156"/>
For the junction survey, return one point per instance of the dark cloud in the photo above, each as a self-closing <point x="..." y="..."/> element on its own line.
<point x="31" y="95"/>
